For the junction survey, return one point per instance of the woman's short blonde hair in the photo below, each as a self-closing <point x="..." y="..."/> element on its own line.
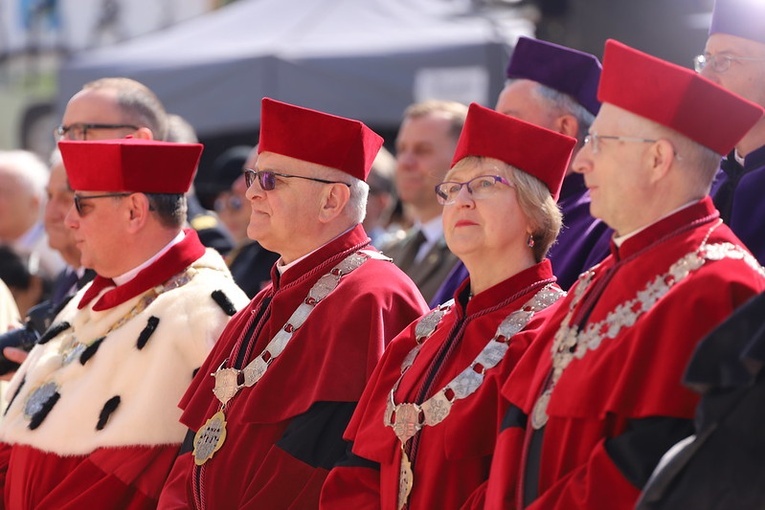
<point x="540" y="208"/>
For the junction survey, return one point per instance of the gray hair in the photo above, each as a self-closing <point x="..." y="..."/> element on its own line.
<point x="564" y="104"/>
<point x="540" y="208"/>
<point x="356" y="208"/>
<point x="29" y="169"/>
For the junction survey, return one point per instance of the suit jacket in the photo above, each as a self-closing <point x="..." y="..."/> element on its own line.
<point x="251" y="267"/>
<point x="431" y="271"/>
<point x="209" y="228"/>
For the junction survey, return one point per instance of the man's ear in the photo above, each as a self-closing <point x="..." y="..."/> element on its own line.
<point x="567" y="125"/>
<point x="137" y="210"/>
<point x="143" y="133"/>
<point x="662" y="155"/>
<point x="335" y="197"/>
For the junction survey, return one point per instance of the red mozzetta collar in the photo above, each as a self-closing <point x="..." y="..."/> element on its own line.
<point x="175" y="260"/>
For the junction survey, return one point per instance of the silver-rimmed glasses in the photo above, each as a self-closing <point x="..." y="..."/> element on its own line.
<point x="478" y="187"/>
<point x="719" y="63"/>
<point x="593" y="140"/>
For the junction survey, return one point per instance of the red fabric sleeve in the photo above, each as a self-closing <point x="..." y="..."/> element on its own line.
<point x="477" y="500"/>
<point x="177" y="491"/>
<point x="351" y="487"/>
<point x="284" y="482"/>
<point x="5" y="454"/>
<point x="130" y="478"/>
<point x="596" y="485"/>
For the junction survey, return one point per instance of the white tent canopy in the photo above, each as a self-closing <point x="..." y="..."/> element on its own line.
<point x="365" y="59"/>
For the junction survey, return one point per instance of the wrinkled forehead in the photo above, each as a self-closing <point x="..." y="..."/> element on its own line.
<point x="734" y="45"/>
<point x="612" y="119"/>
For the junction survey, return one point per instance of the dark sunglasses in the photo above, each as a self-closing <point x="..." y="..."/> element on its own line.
<point x="267" y="178"/>
<point x="79" y="198"/>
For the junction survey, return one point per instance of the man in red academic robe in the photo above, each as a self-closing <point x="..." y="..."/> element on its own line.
<point x="598" y="398"/>
<point x="266" y="426"/>
<point x="93" y="421"/>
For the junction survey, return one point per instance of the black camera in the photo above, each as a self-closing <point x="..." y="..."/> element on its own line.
<point x="38" y="320"/>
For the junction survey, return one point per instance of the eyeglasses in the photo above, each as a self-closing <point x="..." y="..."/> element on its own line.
<point x="267" y="178"/>
<point x="719" y="63"/>
<point x="478" y="187"/>
<point x="232" y="203"/>
<point x="79" y="130"/>
<point x="593" y="140"/>
<point x="79" y="198"/>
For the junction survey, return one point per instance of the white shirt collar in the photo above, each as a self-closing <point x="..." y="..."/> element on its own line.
<point x="282" y="267"/>
<point x="433" y="230"/>
<point x="126" y="277"/>
<point x="739" y="159"/>
<point x="619" y="240"/>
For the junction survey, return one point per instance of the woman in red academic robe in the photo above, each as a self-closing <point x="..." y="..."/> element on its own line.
<point x="424" y="431"/>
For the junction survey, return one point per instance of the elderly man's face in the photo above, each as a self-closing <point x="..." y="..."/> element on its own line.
<point x="286" y="218"/>
<point x="19" y="207"/>
<point x="615" y="170"/>
<point x="60" y="200"/>
<point x="518" y="100"/>
<point x="744" y="77"/>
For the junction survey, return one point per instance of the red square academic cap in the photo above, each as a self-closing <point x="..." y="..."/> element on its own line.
<point x="537" y="151"/>
<point x="675" y="97"/>
<point x="130" y="164"/>
<point x="317" y="137"/>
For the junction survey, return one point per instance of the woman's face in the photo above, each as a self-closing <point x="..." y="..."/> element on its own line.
<point x="488" y="222"/>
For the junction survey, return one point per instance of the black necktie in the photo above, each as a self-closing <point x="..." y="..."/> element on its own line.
<point x="410" y="254"/>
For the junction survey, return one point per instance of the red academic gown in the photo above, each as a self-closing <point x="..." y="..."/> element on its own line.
<point x="285" y="432"/>
<point x="108" y="435"/>
<point x="614" y="412"/>
<point x="453" y="457"/>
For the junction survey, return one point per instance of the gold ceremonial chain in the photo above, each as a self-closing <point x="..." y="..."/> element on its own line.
<point x="406" y="419"/>
<point x="570" y="343"/>
<point x="71" y="349"/>
<point x="212" y="434"/>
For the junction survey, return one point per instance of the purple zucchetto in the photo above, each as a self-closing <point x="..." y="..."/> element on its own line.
<point x="566" y="70"/>
<point x="742" y="18"/>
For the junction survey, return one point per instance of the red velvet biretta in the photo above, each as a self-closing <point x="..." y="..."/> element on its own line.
<point x="675" y="97"/>
<point x="130" y="164"/>
<point x="317" y="137"/>
<point x="537" y="151"/>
